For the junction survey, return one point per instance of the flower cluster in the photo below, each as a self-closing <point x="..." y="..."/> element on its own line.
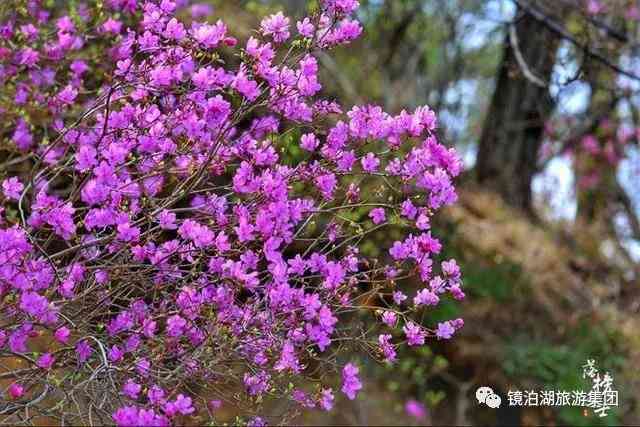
<point x="191" y="220"/>
<point x="596" y="153"/>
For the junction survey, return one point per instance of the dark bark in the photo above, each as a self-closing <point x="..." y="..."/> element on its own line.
<point x="514" y="126"/>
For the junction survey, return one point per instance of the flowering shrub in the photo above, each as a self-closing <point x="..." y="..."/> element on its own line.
<point x="183" y="215"/>
<point x="596" y="153"/>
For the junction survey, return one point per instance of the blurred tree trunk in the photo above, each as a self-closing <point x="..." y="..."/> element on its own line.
<point x="521" y="104"/>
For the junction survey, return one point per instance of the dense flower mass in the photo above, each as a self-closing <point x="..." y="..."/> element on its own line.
<point x="188" y="225"/>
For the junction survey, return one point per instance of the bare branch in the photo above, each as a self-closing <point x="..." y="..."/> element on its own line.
<point x="561" y="31"/>
<point x="513" y="40"/>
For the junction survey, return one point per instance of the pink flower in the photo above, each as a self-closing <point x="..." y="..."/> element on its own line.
<point x="309" y="142"/>
<point x="377" y="215"/>
<point x="46" y="361"/>
<point x="15" y="391"/>
<point x="62" y="334"/>
<point x="131" y="389"/>
<point x="79" y="67"/>
<point x="67" y="95"/>
<point x="210" y="35"/>
<point x="276" y="26"/>
<point x="305" y="27"/>
<point x="399" y="297"/>
<point x="167" y="220"/>
<point x="351" y="384"/>
<point x="341" y="6"/>
<point x="175" y="326"/>
<point x="387" y="348"/>
<point x="12" y="188"/>
<point x="175" y="30"/>
<point x="326" y="399"/>
<point x="112" y="26"/>
<point x="414" y="333"/>
<point x="127" y="232"/>
<point x="370" y="163"/>
<point x="389" y="318"/>
<point x="247" y="87"/>
<point x="327" y="184"/>
<point x="445" y="330"/>
<point x="594" y="7"/>
<point x="415" y="409"/>
<point x="426" y="297"/>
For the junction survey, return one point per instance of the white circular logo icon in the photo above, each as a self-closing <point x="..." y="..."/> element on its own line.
<point x="488" y="397"/>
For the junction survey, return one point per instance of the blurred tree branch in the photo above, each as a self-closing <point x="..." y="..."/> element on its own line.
<point x="562" y="32"/>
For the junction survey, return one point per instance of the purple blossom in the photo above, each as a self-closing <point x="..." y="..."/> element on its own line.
<point x="388" y="350"/>
<point x="79" y="67"/>
<point x="276" y="26"/>
<point x="288" y="359"/>
<point x="326" y="399"/>
<point x="341" y="6"/>
<point x="142" y="367"/>
<point x="176" y="326"/>
<point x="156" y="395"/>
<point x="174" y="30"/>
<point x="451" y="270"/>
<point x="247" y="87"/>
<point x="122" y="322"/>
<point x="305" y="27"/>
<point x="408" y="209"/>
<point x="34" y="304"/>
<point x="112" y="26"/>
<point x="309" y="142"/>
<point x="210" y="35"/>
<point x="22" y="136"/>
<point x="115" y="354"/>
<point x="167" y="220"/>
<point x="257" y="384"/>
<point x="378" y="215"/>
<point x="86" y="158"/>
<point x="200" y="10"/>
<point x="415" y="409"/>
<point x="327" y="184"/>
<point x="426" y="297"/>
<point x="215" y="404"/>
<point x="15" y="390"/>
<point x="67" y="95"/>
<point x="389" y="318"/>
<point x="351" y="384"/>
<point x="62" y="334"/>
<point x="127" y="232"/>
<point x="131" y="389"/>
<point x="46" y="361"/>
<point x="12" y="188"/>
<point x="399" y="297"/>
<point x="126" y="416"/>
<point x="414" y="333"/>
<point x="423" y="222"/>
<point x="83" y="351"/>
<point x="399" y="251"/>
<point x="131" y="416"/>
<point x="256" y="422"/>
<point x="370" y="162"/>
<point x="303" y="399"/>
<point x="445" y="330"/>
